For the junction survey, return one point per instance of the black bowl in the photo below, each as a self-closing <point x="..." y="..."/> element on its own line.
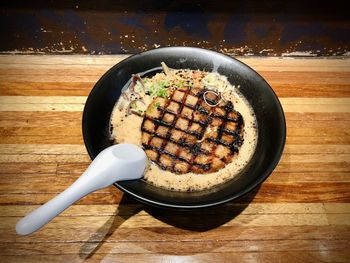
<point x="268" y="110"/>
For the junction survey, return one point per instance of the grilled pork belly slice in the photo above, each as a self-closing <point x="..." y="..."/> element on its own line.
<point x="193" y="130"/>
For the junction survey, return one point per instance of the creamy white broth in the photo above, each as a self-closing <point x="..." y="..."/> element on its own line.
<point x="127" y="128"/>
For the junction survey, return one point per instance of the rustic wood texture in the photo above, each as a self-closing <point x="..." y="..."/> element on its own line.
<point x="300" y="214"/>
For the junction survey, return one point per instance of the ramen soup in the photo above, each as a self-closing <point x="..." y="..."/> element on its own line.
<point x="196" y="128"/>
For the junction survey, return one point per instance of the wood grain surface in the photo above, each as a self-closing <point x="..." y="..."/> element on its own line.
<point x="300" y="214"/>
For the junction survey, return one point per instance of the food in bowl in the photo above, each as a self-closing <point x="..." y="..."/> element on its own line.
<point x="196" y="128"/>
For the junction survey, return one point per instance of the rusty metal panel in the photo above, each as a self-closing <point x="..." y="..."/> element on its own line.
<point x="270" y="28"/>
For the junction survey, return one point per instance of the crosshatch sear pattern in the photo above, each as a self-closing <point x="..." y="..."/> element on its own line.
<point x="184" y="134"/>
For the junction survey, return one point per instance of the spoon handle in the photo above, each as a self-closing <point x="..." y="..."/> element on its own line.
<point x="115" y="163"/>
<point x="45" y="213"/>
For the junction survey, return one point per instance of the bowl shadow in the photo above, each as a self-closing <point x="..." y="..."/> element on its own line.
<point x="203" y="219"/>
<point x="199" y="220"/>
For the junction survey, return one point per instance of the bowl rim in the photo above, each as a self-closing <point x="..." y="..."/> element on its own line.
<point x="238" y="194"/>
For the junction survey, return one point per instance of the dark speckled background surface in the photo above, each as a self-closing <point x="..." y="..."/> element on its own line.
<point x="264" y="28"/>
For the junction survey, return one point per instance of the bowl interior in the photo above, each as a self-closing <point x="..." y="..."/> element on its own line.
<point x="268" y="111"/>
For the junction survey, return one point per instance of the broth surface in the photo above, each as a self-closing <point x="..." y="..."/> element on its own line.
<point x="126" y="127"/>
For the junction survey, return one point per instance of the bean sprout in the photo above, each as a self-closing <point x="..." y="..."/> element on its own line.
<point x="165" y="69"/>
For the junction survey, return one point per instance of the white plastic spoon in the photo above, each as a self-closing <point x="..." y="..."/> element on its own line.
<point x="116" y="163"/>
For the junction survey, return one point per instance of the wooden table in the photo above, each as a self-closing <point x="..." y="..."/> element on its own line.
<point x="300" y="214"/>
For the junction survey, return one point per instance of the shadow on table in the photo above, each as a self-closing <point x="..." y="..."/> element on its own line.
<point x="202" y="219"/>
<point x="198" y="220"/>
<point x="123" y="212"/>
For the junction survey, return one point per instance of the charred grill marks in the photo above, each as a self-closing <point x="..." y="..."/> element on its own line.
<point x="184" y="134"/>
